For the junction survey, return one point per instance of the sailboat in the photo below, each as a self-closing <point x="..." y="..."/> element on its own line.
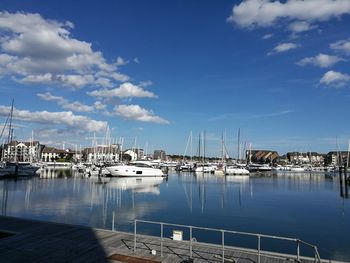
<point x="10" y="167"/>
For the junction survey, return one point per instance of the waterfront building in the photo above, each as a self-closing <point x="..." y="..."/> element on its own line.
<point x="51" y="154"/>
<point x="306" y="158"/>
<point x="22" y="151"/>
<point x="159" y="155"/>
<point x="337" y="158"/>
<point x="262" y="156"/>
<point x="98" y="154"/>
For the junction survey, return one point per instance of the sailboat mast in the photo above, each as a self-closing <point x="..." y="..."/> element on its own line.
<point x="9" y="138"/>
<point x="238" y="145"/>
<point x="204" y="141"/>
<point x="347" y="161"/>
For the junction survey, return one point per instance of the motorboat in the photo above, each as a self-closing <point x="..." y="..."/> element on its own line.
<point x="254" y="167"/>
<point x="235" y="170"/>
<point x="137" y="169"/>
<point x="205" y="168"/>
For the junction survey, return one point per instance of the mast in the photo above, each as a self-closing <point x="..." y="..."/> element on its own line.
<point x="347" y="161"/>
<point x="204" y="142"/>
<point x="238" y="145"/>
<point x="10" y="133"/>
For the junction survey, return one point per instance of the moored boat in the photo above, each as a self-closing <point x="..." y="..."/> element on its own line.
<point x="140" y="169"/>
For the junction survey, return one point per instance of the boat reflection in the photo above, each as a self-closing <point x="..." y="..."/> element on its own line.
<point x="136" y="184"/>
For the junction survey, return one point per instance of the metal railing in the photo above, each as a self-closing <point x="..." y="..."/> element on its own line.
<point x="259" y="237"/>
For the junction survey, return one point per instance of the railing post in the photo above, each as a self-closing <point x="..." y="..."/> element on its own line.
<point x="259" y="248"/>
<point x="190" y="242"/>
<point x="223" y="245"/>
<point x="135" y="235"/>
<point x="298" y="250"/>
<point x="315" y="254"/>
<point x="161" y="239"/>
<point x="318" y="254"/>
<point x="113" y="221"/>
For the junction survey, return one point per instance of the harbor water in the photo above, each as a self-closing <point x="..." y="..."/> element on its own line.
<point x="307" y="206"/>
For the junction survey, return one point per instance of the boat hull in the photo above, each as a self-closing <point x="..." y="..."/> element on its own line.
<point x="134" y="171"/>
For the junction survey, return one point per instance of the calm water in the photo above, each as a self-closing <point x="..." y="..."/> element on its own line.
<point x="305" y="206"/>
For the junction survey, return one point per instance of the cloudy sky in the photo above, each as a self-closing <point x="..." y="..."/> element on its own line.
<point x="152" y="71"/>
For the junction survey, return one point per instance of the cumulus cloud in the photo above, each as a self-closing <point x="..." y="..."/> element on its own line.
<point x="264" y="13"/>
<point x="335" y="79"/>
<point x="65" y="118"/>
<point x="37" y="50"/>
<point x="99" y="105"/>
<point x="342" y="45"/>
<point x="321" y="60"/>
<point x="301" y="26"/>
<point x="67" y="105"/>
<point x="283" y="47"/>
<point x="125" y="90"/>
<point x="137" y="113"/>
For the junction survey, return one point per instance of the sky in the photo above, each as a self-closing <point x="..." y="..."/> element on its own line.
<point x="152" y="72"/>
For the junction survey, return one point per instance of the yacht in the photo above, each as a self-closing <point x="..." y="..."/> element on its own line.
<point x="254" y="167"/>
<point x="137" y="169"/>
<point x="233" y="170"/>
<point x="206" y="168"/>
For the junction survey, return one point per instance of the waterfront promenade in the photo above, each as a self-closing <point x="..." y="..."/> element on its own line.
<point x="24" y="240"/>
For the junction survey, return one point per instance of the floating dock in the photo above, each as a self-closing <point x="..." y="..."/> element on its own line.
<point x="23" y="240"/>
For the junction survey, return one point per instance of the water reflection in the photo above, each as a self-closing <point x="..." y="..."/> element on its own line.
<point x="307" y="205"/>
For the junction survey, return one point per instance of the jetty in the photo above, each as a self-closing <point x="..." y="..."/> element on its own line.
<point x="24" y="240"/>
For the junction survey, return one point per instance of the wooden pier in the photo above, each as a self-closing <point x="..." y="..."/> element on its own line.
<point x="24" y="240"/>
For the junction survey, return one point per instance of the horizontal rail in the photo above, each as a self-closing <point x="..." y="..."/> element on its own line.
<point x="220" y="230"/>
<point x="223" y="231"/>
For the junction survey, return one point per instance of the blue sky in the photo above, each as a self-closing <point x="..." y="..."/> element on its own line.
<point x="156" y="70"/>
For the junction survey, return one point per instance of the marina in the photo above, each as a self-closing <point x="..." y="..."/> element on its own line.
<point x="267" y="203"/>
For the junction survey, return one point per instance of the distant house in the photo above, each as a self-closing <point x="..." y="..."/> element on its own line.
<point x="51" y="154"/>
<point x="262" y="156"/>
<point x="22" y="151"/>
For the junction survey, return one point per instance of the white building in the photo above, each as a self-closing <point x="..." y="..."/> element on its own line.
<point x="102" y="154"/>
<point x="22" y="151"/>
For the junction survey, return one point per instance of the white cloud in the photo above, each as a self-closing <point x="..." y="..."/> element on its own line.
<point x="99" y="105"/>
<point x="264" y="13"/>
<point x="321" y="60"/>
<point x="49" y="97"/>
<point x="45" y="78"/>
<point x="342" y="45"/>
<point x="65" y="118"/>
<point x="335" y="79"/>
<point x="78" y="106"/>
<point x="76" y="80"/>
<point x="67" y="105"/>
<point x="135" y="112"/>
<point x="301" y="26"/>
<point x="120" y="61"/>
<point x="267" y="36"/>
<point x="283" y="47"/>
<point x="37" y="50"/>
<point x="125" y="90"/>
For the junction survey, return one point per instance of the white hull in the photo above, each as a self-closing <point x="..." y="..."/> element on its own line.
<point x="236" y="171"/>
<point x="132" y="171"/>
